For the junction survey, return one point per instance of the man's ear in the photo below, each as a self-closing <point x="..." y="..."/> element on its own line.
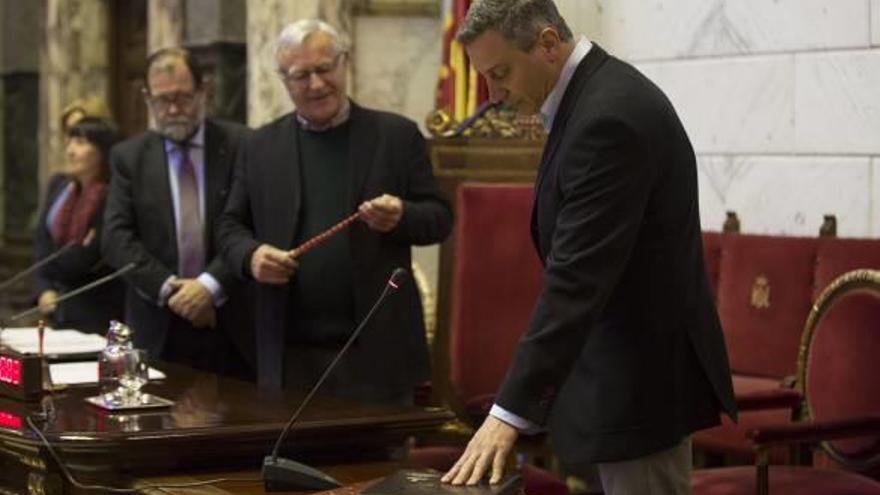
<point x="549" y="42"/>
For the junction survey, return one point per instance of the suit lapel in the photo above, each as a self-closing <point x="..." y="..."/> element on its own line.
<point x="286" y="181"/>
<point x="361" y="154"/>
<point x="216" y="163"/>
<point x="588" y="65"/>
<point x="592" y="61"/>
<point x="156" y="162"/>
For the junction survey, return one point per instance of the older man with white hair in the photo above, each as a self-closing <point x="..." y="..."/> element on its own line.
<point x="303" y="173"/>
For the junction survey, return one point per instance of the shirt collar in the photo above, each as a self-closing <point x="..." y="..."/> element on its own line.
<point x="340" y="118"/>
<point x="551" y="104"/>
<point x="196" y="141"/>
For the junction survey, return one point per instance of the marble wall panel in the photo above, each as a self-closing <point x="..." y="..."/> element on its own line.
<point x="732" y="105"/>
<point x="875" y="22"/>
<point x="402" y="79"/>
<point x="209" y="21"/>
<point x="165" y="24"/>
<point x="667" y="29"/>
<point x="788" y="195"/>
<point x="875" y="197"/>
<point x="584" y="17"/>
<point x="837" y="101"/>
<point x="73" y="64"/>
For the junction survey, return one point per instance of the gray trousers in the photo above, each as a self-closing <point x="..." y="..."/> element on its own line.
<point x="667" y="472"/>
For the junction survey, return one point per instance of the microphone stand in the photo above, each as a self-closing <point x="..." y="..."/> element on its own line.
<point x="36" y="266"/>
<point x="280" y="474"/>
<point x="469" y="121"/>
<point x="67" y="295"/>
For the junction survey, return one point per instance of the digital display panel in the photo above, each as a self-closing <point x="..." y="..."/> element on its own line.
<point x="9" y="420"/>
<point x="10" y="370"/>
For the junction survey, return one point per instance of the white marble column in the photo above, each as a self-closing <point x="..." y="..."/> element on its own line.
<point x="165" y="24"/>
<point x="267" y="98"/>
<point x="74" y="64"/>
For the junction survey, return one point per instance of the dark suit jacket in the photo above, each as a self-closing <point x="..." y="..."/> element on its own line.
<point x="388" y="155"/>
<point x="90" y="311"/>
<point x="139" y="225"/>
<point x="624" y="353"/>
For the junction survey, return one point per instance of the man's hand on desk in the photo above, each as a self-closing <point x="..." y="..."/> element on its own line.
<point x="489" y="448"/>
<point x="383" y="213"/>
<point x="270" y="265"/>
<point x="191" y="300"/>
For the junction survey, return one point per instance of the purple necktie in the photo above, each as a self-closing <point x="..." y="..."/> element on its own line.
<point x="190" y="237"/>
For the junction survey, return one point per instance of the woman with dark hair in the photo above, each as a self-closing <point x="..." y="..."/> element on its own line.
<point x="71" y="220"/>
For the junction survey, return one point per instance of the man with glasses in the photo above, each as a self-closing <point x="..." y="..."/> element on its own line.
<point x="302" y="174"/>
<point x="168" y="186"/>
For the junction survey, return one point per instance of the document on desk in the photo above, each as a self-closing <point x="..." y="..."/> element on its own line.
<point x="55" y="342"/>
<point x="427" y="482"/>
<point x="84" y="372"/>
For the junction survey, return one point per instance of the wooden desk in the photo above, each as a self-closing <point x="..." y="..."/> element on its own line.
<point x="216" y="423"/>
<point x="352" y="476"/>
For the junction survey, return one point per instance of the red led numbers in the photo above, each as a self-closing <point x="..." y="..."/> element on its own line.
<point x="10" y="370"/>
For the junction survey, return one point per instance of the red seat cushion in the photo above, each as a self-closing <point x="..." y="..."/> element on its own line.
<point x="730" y="438"/>
<point x="495" y="284"/>
<point x="537" y="481"/>
<point x="784" y="480"/>
<point x="763" y="300"/>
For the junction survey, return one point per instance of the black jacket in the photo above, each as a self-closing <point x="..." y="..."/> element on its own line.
<point x="139" y="227"/>
<point x="388" y="155"/>
<point x="624" y="353"/>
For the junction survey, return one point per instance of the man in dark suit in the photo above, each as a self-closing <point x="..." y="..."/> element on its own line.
<point x="624" y="356"/>
<point x="168" y="186"/>
<point x="298" y="176"/>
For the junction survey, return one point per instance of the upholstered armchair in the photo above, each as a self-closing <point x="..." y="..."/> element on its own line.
<point x="838" y="367"/>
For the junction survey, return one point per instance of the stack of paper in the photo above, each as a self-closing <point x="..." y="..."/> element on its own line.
<point x="55" y="342"/>
<point x="84" y="372"/>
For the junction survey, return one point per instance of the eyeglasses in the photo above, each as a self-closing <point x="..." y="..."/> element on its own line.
<point x="299" y="76"/>
<point x="179" y="99"/>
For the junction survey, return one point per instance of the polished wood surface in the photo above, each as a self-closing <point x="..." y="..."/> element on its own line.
<point x="354" y="477"/>
<point x="215" y="423"/>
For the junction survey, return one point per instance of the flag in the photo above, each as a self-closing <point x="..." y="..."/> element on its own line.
<point x="460" y="88"/>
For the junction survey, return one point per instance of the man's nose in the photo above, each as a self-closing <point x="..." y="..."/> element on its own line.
<point x="315" y="81"/>
<point x="496" y="94"/>
<point x="173" y="108"/>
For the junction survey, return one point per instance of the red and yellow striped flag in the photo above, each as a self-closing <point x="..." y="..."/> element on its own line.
<point x="460" y="88"/>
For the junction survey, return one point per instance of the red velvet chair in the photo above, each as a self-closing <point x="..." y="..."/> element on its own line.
<point x="837" y="375"/>
<point x="495" y="284"/>
<point x="765" y="285"/>
<point x="835" y="257"/>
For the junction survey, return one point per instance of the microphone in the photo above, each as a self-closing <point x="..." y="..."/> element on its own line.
<point x="36" y="266"/>
<point x="280" y="474"/>
<point x="469" y="121"/>
<point x="85" y="288"/>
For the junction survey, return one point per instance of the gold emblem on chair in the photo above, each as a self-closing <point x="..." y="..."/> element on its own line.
<point x="760" y="293"/>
